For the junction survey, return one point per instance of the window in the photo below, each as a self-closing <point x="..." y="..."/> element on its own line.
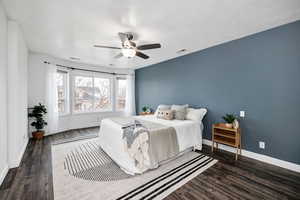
<point x="62" y="91"/>
<point x="92" y="94"/>
<point x="102" y="94"/>
<point x="84" y="94"/>
<point x="121" y="94"/>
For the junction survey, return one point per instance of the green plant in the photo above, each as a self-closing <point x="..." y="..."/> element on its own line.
<point x="37" y="114"/>
<point x="145" y="108"/>
<point x="229" y="118"/>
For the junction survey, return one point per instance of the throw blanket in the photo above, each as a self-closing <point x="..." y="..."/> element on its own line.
<point x="146" y="142"/>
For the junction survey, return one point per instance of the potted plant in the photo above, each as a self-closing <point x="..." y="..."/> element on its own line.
<point x="146" y="109"/>
<point x="229" y="119"/>
<point x="37" y="114"/>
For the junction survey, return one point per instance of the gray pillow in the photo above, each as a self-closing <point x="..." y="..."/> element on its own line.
<point x="179" y="111"/>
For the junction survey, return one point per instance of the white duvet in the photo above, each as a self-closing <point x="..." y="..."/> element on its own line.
<point x="189" y="134"/>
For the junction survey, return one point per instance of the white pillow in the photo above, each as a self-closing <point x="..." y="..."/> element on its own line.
<point x="196" y="114"/>
<point x="162" y="107"/>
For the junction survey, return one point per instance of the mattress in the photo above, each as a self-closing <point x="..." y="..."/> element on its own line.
<point x="189" y="134"/>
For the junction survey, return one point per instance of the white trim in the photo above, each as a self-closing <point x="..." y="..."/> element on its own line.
<point x="267" y="159"/>
<point x="197" y="147"/>
<point x="91" y="113"/>
<point x="3" y="174"/>
<point x="17" y="162"/>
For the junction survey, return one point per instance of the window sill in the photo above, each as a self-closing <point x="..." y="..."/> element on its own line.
<point x="96" y="112"/>
<point x="90" y="113"/>
<point x="64" y="115"/>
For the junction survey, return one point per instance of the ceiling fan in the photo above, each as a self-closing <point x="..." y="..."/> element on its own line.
<point x="129" y="48"/>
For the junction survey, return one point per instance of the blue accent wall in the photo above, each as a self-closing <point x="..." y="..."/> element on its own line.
<point x="259" y="74"/>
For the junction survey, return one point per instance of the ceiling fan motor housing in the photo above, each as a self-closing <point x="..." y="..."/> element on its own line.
<point x="129" y="44"/>
<point x="129" y="36"/>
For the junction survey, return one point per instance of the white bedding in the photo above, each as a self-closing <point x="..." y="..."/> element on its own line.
<point x="189" y="134"/>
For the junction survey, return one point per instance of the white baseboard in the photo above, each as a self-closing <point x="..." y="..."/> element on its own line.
<point x="3" y="174"/>
<point x="16" y="162"/>
<point x="260" y="157"/>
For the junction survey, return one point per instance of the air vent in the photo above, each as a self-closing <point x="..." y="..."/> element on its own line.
<point x="74" y="58"/>
<point x="181" y="51"/>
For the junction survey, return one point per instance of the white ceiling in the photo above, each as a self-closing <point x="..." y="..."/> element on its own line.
<point x="70" y="28"/>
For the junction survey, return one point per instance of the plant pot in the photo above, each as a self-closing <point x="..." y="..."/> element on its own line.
<point x="228" y="125"/>
<point x="236" y="124"/>
<point x="38" y="135"/>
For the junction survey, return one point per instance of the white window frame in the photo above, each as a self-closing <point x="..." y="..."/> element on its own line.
<point x="67" y="91"/>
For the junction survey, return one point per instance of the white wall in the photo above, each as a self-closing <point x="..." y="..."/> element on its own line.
<point x="3" y="92"/>
<point x="17" y="94"/>
<point x="36" y="92"/>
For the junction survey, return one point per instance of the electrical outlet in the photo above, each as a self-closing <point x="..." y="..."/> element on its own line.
<point x="262" y="145"/>
<point x="242" y="113"/>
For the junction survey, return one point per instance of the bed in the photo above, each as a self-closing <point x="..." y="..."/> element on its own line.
<point x="188" y="133"/>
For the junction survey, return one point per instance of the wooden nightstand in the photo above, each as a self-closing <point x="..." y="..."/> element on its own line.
<point x="227" y="136"/>
<point x="145" y="113"/>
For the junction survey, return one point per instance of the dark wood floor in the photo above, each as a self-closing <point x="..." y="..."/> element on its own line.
<point x="228" y="179"/>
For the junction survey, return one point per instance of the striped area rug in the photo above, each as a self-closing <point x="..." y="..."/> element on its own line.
<point x="88" y="161"/>
<point x="155" y="184"/>
<point x="67" y="140"/>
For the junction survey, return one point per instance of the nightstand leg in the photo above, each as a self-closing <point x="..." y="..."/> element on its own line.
<point x="236" y="155"/>
<point x="240" y="145"/>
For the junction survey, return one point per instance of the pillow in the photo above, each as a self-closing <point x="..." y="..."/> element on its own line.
<point x="165" y="114"/>
<point x="179" y="111"/>
<point x="162" y="107"/>
<point x="196" y="114"/>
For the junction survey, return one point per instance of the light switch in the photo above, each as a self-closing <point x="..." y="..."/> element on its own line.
<point x="262" y="145"/>
<point x="242" y="113"/>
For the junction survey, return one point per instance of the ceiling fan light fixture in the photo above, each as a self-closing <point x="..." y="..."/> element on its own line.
<point x="126" y="43"/>
<point x="128" y="52"/>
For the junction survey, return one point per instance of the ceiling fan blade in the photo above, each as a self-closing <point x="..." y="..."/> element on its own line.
<point x="149" y="46"/>
<point x="107" y="47"/>
<point x="123" y="37"/>
<point x="141" y="55"/>
<point x="119" y="55"/>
